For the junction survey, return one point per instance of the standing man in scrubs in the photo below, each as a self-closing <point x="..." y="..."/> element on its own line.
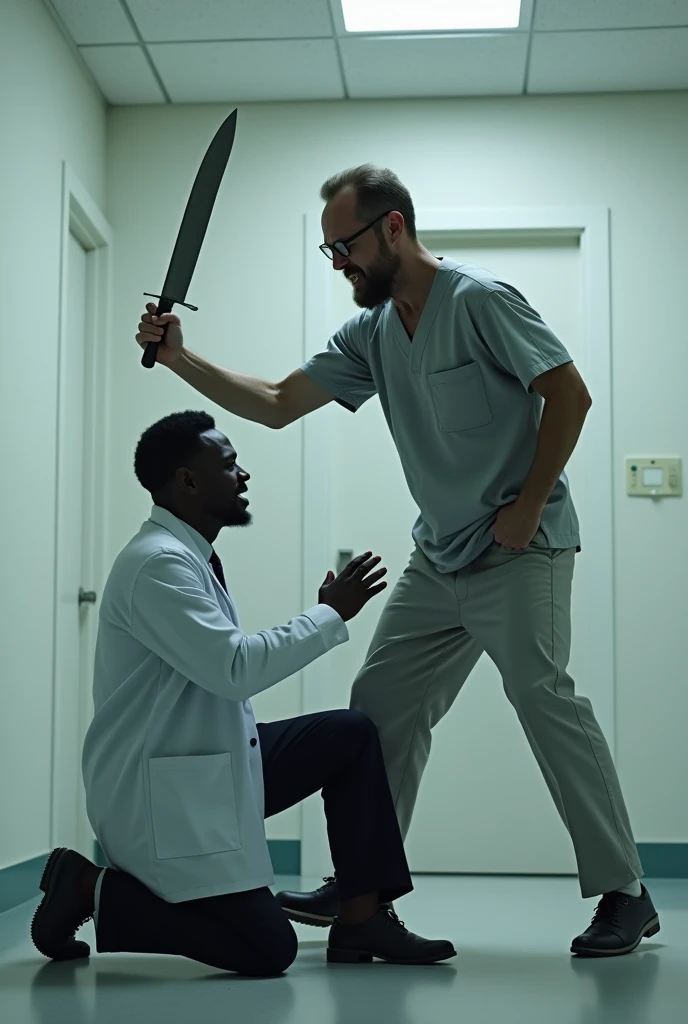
<point x="485" y="407"/>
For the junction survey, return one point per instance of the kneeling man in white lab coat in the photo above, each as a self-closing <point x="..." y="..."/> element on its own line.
<point x="178" y="775"/>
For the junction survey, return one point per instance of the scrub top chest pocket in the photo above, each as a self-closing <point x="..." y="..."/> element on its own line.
<point x="459" y="398"/>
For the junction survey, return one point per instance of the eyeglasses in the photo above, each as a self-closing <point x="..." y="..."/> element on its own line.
<point x="341" y="246"/>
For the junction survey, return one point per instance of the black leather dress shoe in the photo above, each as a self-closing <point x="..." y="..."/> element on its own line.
<point x="318" y="908"/>
<point x="64" y="908"/>
<point x="619" y="924"/>
<point x="384" y="937"/>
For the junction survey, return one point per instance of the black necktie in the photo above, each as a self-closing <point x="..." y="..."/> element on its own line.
<point x="218" y="570"/>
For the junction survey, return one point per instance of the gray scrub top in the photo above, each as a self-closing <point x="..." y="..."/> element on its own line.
<point x="459" y="403"/>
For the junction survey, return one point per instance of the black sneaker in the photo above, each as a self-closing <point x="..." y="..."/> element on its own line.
<point x="318" y="908"/>
<point x="619" y="924"/>
<point x="65" y="906"/>
<point x="384" y="937"/>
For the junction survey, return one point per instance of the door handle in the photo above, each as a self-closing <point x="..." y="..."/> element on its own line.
<point x="87" y="596"/>
<point x="344" y="556"/>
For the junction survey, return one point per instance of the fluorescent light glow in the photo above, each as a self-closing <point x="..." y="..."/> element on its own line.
<point x="429" y="15"/>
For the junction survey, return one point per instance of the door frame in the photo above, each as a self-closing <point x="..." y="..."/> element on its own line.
<point x="590" y="226"/>
<point x="81" y="216"/>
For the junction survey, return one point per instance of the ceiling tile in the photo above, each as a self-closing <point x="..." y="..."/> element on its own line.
<point x="290" y="69"/>
<point x="558" y="15"/>
<point x="95" y="21"/>
<point x="609" y="61"/>
<point x="123" y="74"/>
<point x="213" y="20"/>
<point x="385" y="66"/>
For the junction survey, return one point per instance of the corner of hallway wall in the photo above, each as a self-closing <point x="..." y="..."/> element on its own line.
<point x="55" y="114"/>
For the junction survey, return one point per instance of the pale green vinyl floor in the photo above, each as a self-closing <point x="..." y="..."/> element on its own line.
<point x="513" y="965"/>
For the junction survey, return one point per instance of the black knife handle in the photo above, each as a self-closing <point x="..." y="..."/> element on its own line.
<point x="149" y="356"/>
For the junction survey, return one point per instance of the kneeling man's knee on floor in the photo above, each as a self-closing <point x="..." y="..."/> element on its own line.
<point x="274" y="955"/>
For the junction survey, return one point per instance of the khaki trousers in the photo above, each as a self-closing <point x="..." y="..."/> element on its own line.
<point x="516" y="607"/>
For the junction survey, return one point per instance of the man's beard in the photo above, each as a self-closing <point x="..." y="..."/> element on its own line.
<point x="377" y="284"/>
<point x="241" y="517"/>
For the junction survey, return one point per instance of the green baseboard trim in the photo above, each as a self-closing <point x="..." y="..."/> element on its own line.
<point x="285" y="855"/>
<point x="664" y="860"/>
<point x="20" y="882"/>
<point x="660" y="860"/>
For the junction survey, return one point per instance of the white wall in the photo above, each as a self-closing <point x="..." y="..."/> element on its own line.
<point x="626" y="152"/>
<point x="49" y="112"/>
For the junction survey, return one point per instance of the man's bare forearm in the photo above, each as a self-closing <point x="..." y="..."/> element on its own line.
<point x="562" y="421"/>
<point x="248" y="397"/>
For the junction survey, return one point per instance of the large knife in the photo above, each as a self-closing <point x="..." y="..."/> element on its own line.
<point x="193" y="227"/>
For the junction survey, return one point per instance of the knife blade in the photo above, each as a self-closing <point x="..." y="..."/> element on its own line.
<point x="193" y="227"/>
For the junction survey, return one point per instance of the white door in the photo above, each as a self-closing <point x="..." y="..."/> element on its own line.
<point x="70" y="615"/>
<point x="477" y="811"/>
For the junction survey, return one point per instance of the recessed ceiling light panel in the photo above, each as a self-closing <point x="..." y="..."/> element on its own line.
<point x="430" y="15"/>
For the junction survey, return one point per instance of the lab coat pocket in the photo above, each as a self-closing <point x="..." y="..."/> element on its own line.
<point x="459" y="398"/>
<point x="193" y="805"/>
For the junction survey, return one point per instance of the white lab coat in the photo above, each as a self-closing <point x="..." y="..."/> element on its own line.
<point x="171" y="763"/>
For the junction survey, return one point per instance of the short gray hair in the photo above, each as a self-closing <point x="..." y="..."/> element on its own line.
<point x="377" y="189"/>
